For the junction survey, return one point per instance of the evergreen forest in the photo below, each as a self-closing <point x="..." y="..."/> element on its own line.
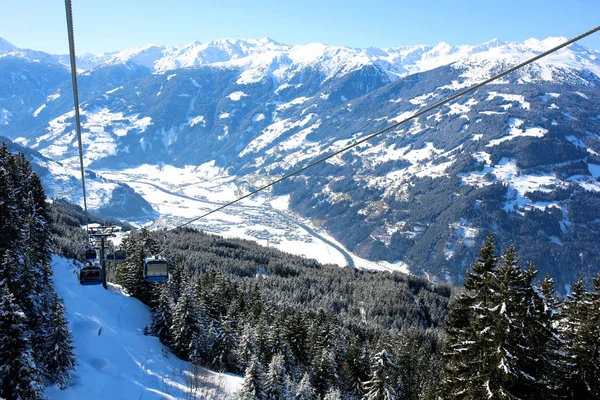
<point x="35" y="341"/>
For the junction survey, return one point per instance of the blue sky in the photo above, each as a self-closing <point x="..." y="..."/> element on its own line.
<point x="111" y="25"/>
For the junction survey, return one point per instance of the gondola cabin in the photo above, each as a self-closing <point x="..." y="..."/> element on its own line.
<point x="120" y="255"/>
<point x="156" y="270"/>
<point x="90" y="254"/>
<point x="90" y="275"/>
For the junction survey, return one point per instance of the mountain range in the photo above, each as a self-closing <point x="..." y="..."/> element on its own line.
<point x="518" y="158"/>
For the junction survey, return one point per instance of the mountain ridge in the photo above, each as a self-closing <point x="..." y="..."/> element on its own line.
<point x="518" y="158"/>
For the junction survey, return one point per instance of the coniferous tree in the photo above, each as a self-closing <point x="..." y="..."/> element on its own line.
<point x="592" y="338"/>
<point x="185" y="325"/>
<point x="380" y="386"/>
<point x="354" y="368"/>
<point x="275" y="379"/>
<point x="575" y="315"/>
<point x="162" y="316"/>
<point x="546" y="344"/>
<point x="305" y="389"/>
<point x="19" y="376"/>
<point x="60" y="359"/>
<point x="252" y="388"/>
<point x="469" y="331"/>
<point x="333" y="394"/>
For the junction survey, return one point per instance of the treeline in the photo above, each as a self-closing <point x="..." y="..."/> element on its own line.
<point x="292" y="327"/>
<point x="35" y="342"/>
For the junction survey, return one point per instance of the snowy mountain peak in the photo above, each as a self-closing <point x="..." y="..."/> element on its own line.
<point x="545" y="44"/>
<point x="5" y="46"/>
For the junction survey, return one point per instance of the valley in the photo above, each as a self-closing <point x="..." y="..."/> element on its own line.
<point x="181" y="194"/>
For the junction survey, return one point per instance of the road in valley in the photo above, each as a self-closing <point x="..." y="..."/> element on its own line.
<point x="266" y="206"/>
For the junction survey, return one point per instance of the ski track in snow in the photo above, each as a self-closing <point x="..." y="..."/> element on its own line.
<point x="114" y="358"/>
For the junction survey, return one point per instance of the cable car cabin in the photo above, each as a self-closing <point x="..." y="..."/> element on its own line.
<point x="120" y="255"/>
<point x="156" y="270"/>
<point x="90" y="254"/>
<point x="90" y="275"/>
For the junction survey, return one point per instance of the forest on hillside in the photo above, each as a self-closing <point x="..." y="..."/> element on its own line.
<point x="298" y="329"/>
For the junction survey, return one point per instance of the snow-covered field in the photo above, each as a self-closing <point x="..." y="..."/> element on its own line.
<point x="181" y="194"/>
<point x="114" y="358"/>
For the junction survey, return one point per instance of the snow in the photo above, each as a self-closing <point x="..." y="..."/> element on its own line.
<point x="511" y="97"/>
<point x="257" y="59"/>
<point x="39" y="110"/>
<point x="115" y="360"/>
<point x="274" y="131"/>
<point x="180" y="194"/>
<point x="236" y="96"/>
<point x="294" y="102"/>
<point x="199" y="119"/>
<point x="514" y="132"/>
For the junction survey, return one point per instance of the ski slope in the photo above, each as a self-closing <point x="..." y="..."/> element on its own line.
<point x="115" y="360"/>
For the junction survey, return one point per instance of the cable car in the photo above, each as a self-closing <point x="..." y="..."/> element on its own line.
<point x="90" y="275"/>
<point x="120" y="255"/>
<point x="90" y="254"/>
<point x="156" y="269"/>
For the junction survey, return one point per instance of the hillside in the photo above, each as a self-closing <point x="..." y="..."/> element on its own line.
<point x="115" y="360"/>
<point x="518" y="158"/>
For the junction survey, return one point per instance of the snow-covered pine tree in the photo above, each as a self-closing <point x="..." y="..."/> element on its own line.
<point x="354" y="369"/>
<point x="592" y="338"/>
<point x="130" y="273"/>
<point x="59" y="359"/>
<point x="552" y="357"/>
<point x="275" y="379"/>
<point x="575" y="313"/>
<point x="333" y="394"/>
<point x="513" y="363"/>
<point x="468" y="328"/>
<point x="162" y="316"/>
<point x="252" y="388"/>
<point x="185" y="324"/>
<point x="247" y="348"/>
<point x="381" y="384"/>
<point x="19" y="376"/>
<point x="305" y="389"/>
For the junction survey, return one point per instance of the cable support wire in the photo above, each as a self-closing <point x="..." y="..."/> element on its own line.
<point x="396" y="125"/>
<point x="69" y="12"/>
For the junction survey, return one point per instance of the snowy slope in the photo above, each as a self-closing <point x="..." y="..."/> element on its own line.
<point x="115" y="359"/>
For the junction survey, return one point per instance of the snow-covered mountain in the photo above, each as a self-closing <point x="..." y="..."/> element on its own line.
<point x="518" y="158"/>
<point x="263" y="57"/>
<point x="5" y="47"/>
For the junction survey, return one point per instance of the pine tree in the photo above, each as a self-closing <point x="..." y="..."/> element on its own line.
<point x="380" y="386"/>
<point x="19" y="377"/>
<point x="185" y="325"/>
<point x="333" y="394"/>
<point x="468" y="327"/>
<point x="275" y="379"/>
<point x="575" y="314"/>
<point x="252" y="388"/>
<point x="546" y="343"/>
<point x="305" y="389"/>
<point x="60" y="359"/>
<point x="354" y="368"/>
<point x="162" y="316"/>
<point x="592" y="337"/>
